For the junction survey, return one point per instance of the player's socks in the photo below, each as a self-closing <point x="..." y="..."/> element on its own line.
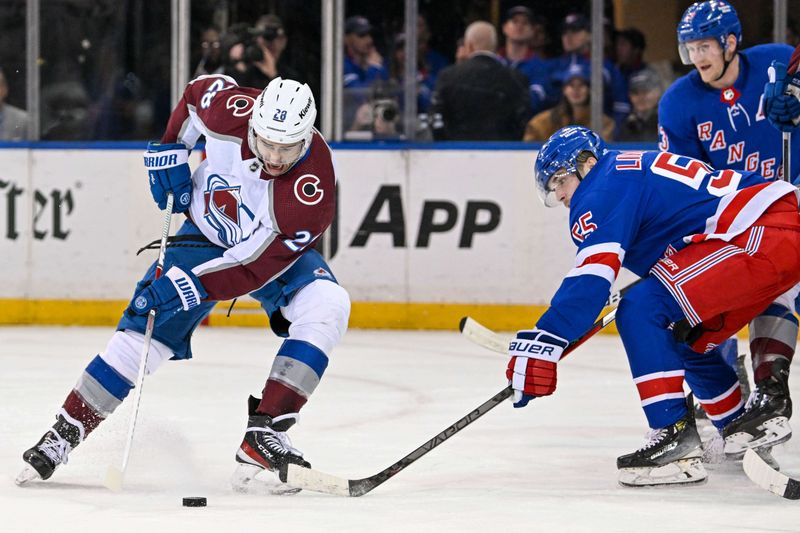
<point x="52" y="449"/>
<point x="671" y="455"/>
<point x="266" y="448"/>
<point x="765" y="421"/>
<point x="98" y="392"/>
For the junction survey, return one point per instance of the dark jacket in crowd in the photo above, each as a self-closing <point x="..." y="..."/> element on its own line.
<point x="480" y="99"/>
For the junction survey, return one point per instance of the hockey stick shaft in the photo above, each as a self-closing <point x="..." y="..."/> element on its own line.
<point x="114" y="476"/>
<point x="787" y="156"/>
<point x="483" y="336"/>
<point x="306" y="478"/>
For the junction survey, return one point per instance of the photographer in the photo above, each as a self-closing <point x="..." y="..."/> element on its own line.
<point x="253" y="54"/>
<point x="379" y="117"/>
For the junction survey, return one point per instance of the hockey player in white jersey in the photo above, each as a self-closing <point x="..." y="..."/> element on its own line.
<point x="254" y="209"/>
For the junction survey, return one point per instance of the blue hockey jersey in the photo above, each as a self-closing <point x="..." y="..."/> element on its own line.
<point x="727" y="128"/>
<point x="635" y="207"/>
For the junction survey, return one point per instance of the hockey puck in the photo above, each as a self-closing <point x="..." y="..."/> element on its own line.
<point x="195" y="502"/>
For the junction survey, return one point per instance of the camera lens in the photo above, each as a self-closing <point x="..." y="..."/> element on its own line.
<point x="388" y="113"/>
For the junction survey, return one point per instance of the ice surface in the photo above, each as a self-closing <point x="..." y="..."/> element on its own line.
<point x="547" y="467"/>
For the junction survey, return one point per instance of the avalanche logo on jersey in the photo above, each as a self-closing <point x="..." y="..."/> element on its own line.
<point x="582" y="228"/>
<point x="223" y="205"/>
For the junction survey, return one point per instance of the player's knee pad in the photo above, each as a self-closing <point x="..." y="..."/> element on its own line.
<point x="123" y="354"/>
<point x="319" y="313"/>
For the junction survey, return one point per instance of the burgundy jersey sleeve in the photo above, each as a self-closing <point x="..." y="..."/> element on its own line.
<point x="214" y="102"/>
<point x="299" y="207"/>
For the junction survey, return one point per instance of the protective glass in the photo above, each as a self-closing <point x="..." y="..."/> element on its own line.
<point x="276" y="154"/>
<point x="692" y="52"/>
<point x="546" y="186"/>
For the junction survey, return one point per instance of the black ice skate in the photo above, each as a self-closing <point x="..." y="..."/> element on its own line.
<point x="51" y="450"/>
<point x="765" y="421"/>
<point x="672" y="455"/>
<point x="266" y="447"/>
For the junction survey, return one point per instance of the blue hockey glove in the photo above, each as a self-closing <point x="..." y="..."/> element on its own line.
<point x="175" y="290"/>
<point x="781" y="102"/>
<point x="532" y="370"/>
<point x="168" y="171"/>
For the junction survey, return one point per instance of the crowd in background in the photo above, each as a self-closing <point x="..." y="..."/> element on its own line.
<point x="505" y="85"/>
<point x="521" y="79"/>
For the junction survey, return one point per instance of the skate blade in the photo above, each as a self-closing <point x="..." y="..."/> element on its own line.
<point x="774" y="431"/>
<point x="28" y="474"/>
<point x="251" y="479"/>
<point x="681" y="472"/>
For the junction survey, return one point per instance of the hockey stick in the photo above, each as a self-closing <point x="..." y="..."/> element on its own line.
<point x="306" y="478"/>
<point x="768" y="478"/>
<point x="483" y="336"/>
<point x="114" y="475"/>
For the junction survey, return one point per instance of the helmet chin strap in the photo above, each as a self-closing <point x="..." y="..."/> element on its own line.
<point x="725" y="64"/>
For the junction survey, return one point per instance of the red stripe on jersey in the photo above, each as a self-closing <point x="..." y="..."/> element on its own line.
<point x="658" y="386"/>
<point x="607" y="258"/>
<point x="723" y="405"/>
<point x="735" y="207"/>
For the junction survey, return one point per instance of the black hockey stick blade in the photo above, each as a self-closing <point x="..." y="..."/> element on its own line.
<point x="309" y="479"/>
<point x="768" y="478"/>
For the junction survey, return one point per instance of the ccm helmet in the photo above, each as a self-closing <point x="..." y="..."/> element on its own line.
<point x="283" y="114"/>
<point x="561" y="151"/>
<point x="713" y="19"/>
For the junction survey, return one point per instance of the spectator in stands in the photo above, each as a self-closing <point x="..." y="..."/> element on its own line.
<point x="13" y="120"/>
<point x="429" y="61"/>
<point x="540" y="41"/>
<point x="211" y="53"/>
<point x="576" y="39"/>
<point x="480" y="98"/>
<point x="574" y="108"/>
<point x="363" y="68"/>
<point x="274" y="38"/>
<point x="461" y="51"/>
<point x="520" y="55"/>
<point x="641" y="125"/>
<point x="630" y="45"/>
<point x="252" y="56"/>
<point x="429" y="64"/>
<point x="518" y="33"/>
<point x="362" y="63"/>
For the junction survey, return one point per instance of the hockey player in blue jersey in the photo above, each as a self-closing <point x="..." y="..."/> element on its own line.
<point x="716" y="114"/>
<point x="715" y="249"/>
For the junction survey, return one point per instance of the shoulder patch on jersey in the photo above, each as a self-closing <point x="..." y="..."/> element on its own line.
<point x="307" y="189"/>
<point x="240" y="104"/>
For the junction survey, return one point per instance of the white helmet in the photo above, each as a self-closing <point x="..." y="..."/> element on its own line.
<point x="284" y="113"/>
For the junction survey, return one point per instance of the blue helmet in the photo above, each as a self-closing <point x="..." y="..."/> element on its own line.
<point x="713" y="19"/>
<point x="561" y="151"/>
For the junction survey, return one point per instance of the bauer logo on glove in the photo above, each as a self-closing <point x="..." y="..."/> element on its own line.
<point x="532" y="369"/>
